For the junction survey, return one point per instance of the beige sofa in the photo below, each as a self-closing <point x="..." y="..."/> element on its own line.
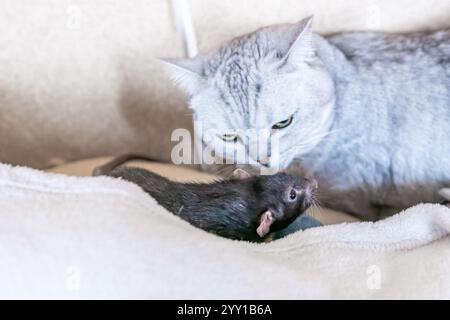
<point x="79" y="79"/>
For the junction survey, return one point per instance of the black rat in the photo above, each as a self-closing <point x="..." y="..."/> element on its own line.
<point x="244" y="207"/>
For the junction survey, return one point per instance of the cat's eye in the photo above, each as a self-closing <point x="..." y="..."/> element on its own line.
<point x="229" y="137"/>
<point x="283" y="124"/>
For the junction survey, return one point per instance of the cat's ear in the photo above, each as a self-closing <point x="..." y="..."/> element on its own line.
<point x="186" y="73"/>
<point x="302" y="48"/>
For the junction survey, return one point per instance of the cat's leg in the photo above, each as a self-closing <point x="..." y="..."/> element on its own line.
<point x="304" y="221"/>
<point x="387" y="211"/>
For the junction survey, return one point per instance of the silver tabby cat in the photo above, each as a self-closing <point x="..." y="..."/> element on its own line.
<point x="366" y="113"/>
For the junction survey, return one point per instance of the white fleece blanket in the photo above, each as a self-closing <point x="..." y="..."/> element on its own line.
<point x="67" y="237"/>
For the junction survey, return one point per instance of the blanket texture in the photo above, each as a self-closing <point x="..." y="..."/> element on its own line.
<point x="71" y="237"/>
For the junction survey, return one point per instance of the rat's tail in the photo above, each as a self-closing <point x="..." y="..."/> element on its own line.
<point x="106" y="168"/>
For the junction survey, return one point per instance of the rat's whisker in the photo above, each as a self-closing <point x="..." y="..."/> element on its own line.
<point x="317" y="209"/>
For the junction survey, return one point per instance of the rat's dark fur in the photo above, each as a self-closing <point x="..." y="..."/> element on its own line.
<point x="230" y="208"/>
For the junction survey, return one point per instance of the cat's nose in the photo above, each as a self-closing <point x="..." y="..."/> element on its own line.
<point x="264" y="162"/>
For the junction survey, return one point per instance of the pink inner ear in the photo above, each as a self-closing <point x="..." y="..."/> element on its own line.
<point x="265" y="223"/>
<point x="240" y="174"/>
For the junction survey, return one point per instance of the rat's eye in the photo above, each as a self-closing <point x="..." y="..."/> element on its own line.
<point x="229" y="137"/>
<point x="283" y="124"/>
<point x="292" y="195"/>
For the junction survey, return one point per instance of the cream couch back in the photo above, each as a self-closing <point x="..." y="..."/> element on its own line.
<point x="79" y="78"/>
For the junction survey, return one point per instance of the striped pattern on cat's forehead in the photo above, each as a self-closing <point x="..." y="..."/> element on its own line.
<point x="235" y="69"/>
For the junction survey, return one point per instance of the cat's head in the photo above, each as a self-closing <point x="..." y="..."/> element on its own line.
<point x="271" y="82"/>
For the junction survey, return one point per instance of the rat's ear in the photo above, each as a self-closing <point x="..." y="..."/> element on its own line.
<point x="302" y="48"/>
<point x="186" y="73"/>
<point x="240" y="174"/>
<point x="265" y="222"/>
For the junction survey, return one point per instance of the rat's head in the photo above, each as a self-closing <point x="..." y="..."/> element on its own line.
<point x="283" y="197"/>
<point x="280" y="199"/>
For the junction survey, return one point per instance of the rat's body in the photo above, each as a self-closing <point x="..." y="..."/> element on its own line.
<point x="244" y="208"/>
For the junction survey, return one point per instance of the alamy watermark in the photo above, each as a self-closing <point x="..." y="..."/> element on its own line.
<point x="373" y="281"/>
<point x="373" y="17"/>
<point x="212" y="146"/>
<point x="73" y="278"/>
<point x="74" y="15"/>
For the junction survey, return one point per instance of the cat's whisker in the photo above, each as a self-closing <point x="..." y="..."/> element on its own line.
<point x="316" y="138"/>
